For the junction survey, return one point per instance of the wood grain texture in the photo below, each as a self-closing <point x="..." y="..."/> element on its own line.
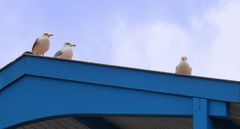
<point x="235" y="113"/>
<point x="151" y="122"/>
<point x="61" y="123"/>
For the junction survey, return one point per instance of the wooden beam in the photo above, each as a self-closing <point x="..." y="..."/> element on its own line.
<point x="201" y="119"/>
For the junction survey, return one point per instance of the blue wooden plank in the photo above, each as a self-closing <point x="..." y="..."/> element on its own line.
<point x="218" y="109"/>
<point x="134" y="79"/>
<point x="34" y="98"/>
<point x="201" y="119"/>
<point x="12" y="72"/>
<point x="128" y="78"/>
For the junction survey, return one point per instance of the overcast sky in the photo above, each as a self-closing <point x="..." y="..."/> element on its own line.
<point x="148" y="34"/>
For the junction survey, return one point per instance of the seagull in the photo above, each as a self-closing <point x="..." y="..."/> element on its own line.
<point x="183" y="67"/>
<point x="66" y="52"/>
<point x="41" y="45"/>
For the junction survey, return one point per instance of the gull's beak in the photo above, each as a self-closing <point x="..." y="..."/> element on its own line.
<point x="50" y="35"/>
<point x="73" y="45"/>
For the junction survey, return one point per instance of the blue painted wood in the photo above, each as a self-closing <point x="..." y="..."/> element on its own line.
<point x="34" y="88"/>
<point x="218" y="109"/>
<point x="12" y="72"/>
<point x="135" y="79"/>
<point x="131" y="78"/>
<point x="201" y="119"/>
<point x="34" y="98"/>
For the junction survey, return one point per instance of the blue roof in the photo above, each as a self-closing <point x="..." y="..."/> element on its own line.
<point x="33" y="88"/>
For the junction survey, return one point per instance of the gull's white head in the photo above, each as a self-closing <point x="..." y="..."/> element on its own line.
<point x="184" y="59"/>
<point x="47" y="35"/>
<point x="68" y="45"/>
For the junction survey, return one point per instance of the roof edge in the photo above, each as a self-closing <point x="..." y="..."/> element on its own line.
<point x="118" y="66"/>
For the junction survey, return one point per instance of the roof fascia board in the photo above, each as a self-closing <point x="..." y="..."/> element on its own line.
<point x="135" y="79"/>
<point x="12" y="72"/>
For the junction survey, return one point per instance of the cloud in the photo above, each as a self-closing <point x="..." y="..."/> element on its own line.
<point x="224" y="60"/>
<point x="151" y="46"/>
<point x="211" y="43"/>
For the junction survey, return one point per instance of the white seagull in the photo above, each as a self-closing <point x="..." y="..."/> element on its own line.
<point x="41" y="45"/>
<point x="66" y="52"/>
<point x="183" y="67"/>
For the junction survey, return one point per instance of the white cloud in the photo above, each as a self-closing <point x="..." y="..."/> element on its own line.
<point x="212" y="43"/>
<point x="151" y="46"/>
<point x="225" y="52"/>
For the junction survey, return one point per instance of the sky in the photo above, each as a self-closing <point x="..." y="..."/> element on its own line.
<point x="146" y="34"/>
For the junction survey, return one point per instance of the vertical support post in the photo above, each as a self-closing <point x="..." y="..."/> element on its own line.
<point x="201" y="118"/>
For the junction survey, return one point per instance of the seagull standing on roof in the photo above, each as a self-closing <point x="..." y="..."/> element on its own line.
<point x="183" y="67"/>
<point x="66" y="52"/>
<point x="41" y="45"/>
